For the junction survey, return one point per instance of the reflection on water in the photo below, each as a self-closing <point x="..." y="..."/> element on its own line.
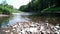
<point x="13" y="19"/>
<point x="4" y="21"/>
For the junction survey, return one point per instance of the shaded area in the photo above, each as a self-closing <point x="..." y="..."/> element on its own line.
<point x="48" y="19"/>
<point x="42" y="7"/>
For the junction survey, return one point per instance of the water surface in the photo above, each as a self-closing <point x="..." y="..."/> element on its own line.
<point x="22" y="17"/>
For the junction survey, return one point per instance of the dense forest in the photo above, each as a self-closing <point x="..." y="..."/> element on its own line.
<point x="42" y="6"/>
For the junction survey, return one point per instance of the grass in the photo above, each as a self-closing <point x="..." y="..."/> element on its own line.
<point x="52" y="10"/>
<point x="16" y="11"/>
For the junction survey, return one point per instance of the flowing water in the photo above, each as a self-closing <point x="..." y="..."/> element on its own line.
<point x="22" y="17"/>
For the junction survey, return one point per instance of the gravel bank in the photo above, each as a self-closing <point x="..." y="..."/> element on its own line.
<point x="31" y="28"/>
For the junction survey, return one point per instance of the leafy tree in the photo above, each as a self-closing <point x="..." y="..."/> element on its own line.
<point x="39" y="5"/>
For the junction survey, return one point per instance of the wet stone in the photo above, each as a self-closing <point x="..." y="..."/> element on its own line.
<point x="31" y="28"/>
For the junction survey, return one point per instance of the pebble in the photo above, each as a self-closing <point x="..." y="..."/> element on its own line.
<point x="7" y="31"/>
<point x="11" y="32"/>
<point x="33" y="28"/>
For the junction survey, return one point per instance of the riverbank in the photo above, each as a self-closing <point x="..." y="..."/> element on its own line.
<point x="31" y="28"/>
<point x="3" y="15"/>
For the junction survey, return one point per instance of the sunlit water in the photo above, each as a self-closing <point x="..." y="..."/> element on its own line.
<point x="22" y="17"/>
<point x="16" y="17"/>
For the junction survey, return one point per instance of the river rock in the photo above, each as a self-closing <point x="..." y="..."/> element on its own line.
<point x="31" y="28"/>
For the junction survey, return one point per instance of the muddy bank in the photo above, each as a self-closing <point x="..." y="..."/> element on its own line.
<point x="31" y="28"/>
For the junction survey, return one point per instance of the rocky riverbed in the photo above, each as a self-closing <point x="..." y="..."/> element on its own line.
<point x="31" y="28"/>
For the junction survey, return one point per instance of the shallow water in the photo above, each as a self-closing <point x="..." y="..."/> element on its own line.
<point x="16" y="17"/>
<point x="22" y="17"/>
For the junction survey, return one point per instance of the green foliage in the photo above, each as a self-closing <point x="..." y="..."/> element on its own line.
<point x="39" y="5"/>
<point x="52" y="10"/>
<point x="6" y="9"/>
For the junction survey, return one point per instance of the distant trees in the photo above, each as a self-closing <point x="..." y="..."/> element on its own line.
<point x="5" y="8"/>
<point x="23" y="8"/>
<point x="39" y="5"/>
